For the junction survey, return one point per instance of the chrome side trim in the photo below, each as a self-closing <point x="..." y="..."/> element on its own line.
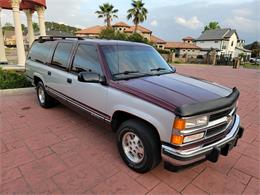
<point x="91" y="112"/>
<point x="202" y="150"/>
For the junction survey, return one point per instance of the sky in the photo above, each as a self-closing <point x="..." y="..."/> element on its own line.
<point x="170" y="20"/>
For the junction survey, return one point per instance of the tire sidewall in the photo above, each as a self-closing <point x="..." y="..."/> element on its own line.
<point x="146" y="161"/>
<point x="40" y="85"/>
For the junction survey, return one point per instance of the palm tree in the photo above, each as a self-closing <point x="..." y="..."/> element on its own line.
<point x="212" y="25"/>
<point x="138" y="13"/>
<point x="108" y="12"/>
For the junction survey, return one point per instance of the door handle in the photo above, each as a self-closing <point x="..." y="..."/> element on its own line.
<point x="49" y="73"/>
<point x="69" y="80"/>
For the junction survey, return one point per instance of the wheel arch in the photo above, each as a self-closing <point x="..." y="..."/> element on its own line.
<point x="36" y="78"/>
<point x="119" y="116"/>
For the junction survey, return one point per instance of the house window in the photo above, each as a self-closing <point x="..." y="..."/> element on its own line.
<point x="183" y="50"/>
<point x="232" y="43"/>
<point x="216" y="41"/>
<point x="193" y="50"/>
<point x="188" y="50"/>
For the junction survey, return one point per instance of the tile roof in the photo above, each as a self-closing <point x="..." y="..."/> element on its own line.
<point x="180" y="45"/>
<point x="157" y="40"/>
<point x="92" y="30"/>
<point x="120" y="24"/>
<point x="216" y="34"/>
<point x="188" y="38"/>
<point x="139" y="28"/>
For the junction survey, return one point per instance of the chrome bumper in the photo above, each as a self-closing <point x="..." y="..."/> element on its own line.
<point x="186" y="157"/>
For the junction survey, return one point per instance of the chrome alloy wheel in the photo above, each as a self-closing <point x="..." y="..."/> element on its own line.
<point x="133" y="147"/>
<point x="41" y="95"/>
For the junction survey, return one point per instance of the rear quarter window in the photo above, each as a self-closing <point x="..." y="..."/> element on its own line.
<point x="40" y="51"/>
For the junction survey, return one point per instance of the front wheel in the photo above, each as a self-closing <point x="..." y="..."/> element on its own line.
<point x="138" y="145"/>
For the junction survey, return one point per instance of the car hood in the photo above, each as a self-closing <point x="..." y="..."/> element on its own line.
<point x="173" y="90"/>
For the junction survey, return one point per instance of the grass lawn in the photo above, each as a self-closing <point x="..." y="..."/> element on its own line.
<point x="250" y="65"/>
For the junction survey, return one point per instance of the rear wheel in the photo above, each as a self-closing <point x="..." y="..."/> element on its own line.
<point x="138" y="145"/>
<point x="44" y="99"/>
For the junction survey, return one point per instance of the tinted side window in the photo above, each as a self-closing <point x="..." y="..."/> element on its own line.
<point x="62" y="54"/>
<point x="86" y="59"/>
<point x="40" y="51"/>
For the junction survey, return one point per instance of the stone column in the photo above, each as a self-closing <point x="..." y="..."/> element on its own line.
<point x="29" y="14"/>
<point x="18" y="32"/>
<point x="3" y="59"/>
<point x="40" y="10"/>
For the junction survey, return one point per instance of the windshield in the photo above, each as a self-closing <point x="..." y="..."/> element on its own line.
<point x="131" y="61"/>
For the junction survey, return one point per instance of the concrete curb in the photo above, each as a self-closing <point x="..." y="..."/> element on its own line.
<point x="18" y="91"/>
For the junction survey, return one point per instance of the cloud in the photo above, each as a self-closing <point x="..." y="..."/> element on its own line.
<point x="154" y="23"/>
<point x="192" y="23"/>
<point x="243" y="24"/>
<point x="243" y="12"/>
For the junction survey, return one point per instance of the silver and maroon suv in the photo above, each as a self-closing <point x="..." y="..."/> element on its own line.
<point x="155" y="112"/>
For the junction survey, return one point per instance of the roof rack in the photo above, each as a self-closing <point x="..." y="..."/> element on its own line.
<point x="51" y="38"/>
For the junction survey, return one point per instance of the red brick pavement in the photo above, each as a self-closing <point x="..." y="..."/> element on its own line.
<point x="59" y="151"/>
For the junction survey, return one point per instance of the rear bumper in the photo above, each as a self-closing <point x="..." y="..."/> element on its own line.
<point x="179" y="158"/>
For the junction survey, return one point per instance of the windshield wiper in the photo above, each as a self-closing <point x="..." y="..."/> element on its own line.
<point x="126" y="73"/>
<point x="157" y="69"/>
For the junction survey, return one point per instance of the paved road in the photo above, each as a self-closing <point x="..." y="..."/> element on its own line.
<point x="59" y="151"/>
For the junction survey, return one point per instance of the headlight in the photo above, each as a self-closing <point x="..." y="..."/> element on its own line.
<point x="181" y="124"/>
<point x="196" y="122"/>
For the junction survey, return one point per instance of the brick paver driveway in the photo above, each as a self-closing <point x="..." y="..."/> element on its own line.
<point x="59" y="151"/>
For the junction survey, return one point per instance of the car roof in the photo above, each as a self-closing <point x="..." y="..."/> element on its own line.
<point x="112" y="42"/>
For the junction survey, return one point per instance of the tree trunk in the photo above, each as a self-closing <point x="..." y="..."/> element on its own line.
<point x="136" y="24"/>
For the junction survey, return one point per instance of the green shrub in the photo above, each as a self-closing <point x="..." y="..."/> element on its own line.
<point x="111" y="34"/>
<point x="177" y="62"/>
<point x="136" y="37"/>
<point x="11" y="79"/>
<point x="161" y="51"/>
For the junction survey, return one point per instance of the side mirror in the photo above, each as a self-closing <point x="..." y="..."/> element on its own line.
<point x="173" y="68"/>
<point x="91" y="77"/>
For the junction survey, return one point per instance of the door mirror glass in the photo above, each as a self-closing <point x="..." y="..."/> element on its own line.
<point x="91" y="77"/>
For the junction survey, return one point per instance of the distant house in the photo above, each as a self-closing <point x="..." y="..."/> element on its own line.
<point x="159" y="43"/>
<point x="225" y="41"/>
<point x="188" y="39"/>
<point x="185" y="48"/>
<point x="123" y="27"/>
<point x="93" y="31"/>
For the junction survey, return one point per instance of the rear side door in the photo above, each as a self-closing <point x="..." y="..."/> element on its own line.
<point x="57" y="81"/>
<point x="89" y="96"/>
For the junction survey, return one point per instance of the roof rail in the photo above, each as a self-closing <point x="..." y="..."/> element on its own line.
<point x="51" y="38"/>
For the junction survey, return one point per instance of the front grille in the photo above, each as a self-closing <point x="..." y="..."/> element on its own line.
<point x="215" y="130"/>
<point x="219" y="114"/>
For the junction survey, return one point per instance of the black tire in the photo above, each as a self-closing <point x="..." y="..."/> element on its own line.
<point x="47" y="101"/>
<point x="149" y="140"/>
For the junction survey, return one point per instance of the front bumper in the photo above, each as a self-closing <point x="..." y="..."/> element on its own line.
<point x="182" y="158"/>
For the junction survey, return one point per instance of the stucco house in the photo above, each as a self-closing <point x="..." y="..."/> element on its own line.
<point x="94" y="32"/>
<point x="185" y="48"/>
<point x="225" y="41"/>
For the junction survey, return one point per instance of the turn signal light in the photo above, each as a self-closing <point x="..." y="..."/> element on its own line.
<point x="177" y="139"/>
<point x="179" y="124"/>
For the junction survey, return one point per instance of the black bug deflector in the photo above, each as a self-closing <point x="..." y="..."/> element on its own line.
<point x="208" y="106"/>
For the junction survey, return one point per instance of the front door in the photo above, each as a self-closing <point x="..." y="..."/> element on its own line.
<point x="89" y="96"/>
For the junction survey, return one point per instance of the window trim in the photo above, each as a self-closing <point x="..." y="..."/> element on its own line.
<point x="70" y="56"/>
